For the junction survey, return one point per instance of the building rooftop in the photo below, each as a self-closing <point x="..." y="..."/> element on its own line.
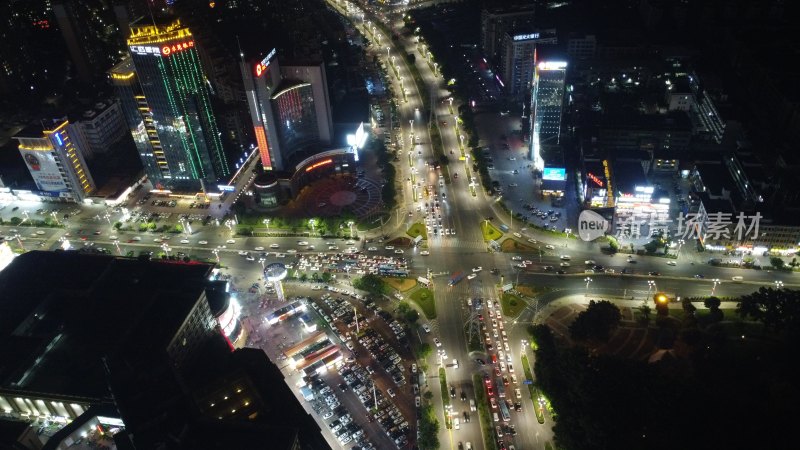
<point x="673" y="121"/>
<point x="626" y="175"/>
<point x="89" y="307"/>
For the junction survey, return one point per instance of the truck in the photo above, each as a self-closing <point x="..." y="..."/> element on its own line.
<point x="456" y="277"/>
<point x="504" y="411"/>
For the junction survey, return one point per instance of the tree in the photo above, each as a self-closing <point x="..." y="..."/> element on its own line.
<point x="423" y="351"/>
<point x="596" y="322"/>
<point x="712" y="302"/>
<point x="370" y="283"/>
<point x="651" y="247"/>
<point x="118" y="225"/>
<point x="777" y="309"/>
<point x="777" y="262"/>
<point x="303" y="277"/>
<point x="645" y="310"/>
<point x="326" y="277"/>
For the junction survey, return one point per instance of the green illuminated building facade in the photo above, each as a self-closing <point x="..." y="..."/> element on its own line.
<point x="166" y="98"/>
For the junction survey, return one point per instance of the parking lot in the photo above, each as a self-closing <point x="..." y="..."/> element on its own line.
<point x="362" y="397"/>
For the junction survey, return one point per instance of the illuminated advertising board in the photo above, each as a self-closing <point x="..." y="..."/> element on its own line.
<point x="594" y="178"/>
<point x="359" y="139"/>
<point x="526" y="37"/>
<point x="552" y="65"/>
<point x="261" y="67"/>
<point x="44" y="170"/>
<point x="167" y="50"/>
<point x="554" y="173"/>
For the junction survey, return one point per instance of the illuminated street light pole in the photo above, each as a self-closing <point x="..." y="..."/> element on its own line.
<point x="266" y="222"/>
<point x="778" y="284"/>
<point x="313" y="223"/>
<point x="588" y="281"/>
<point x="351" y="223"/>
<point x="216" y="253"/>
<point x="714" y="287"/>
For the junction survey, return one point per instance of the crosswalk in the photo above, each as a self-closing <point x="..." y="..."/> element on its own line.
<point x="455" y="243"/>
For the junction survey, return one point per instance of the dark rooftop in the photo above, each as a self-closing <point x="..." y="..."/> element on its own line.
<point x="626" y="175"/>
<point x="71" y="309"/>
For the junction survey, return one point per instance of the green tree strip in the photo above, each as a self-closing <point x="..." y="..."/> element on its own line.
<point x="445" y="397"/>
<point x="482" y="403"/>
<point x="428" y="428"/>
<point x="534" y="391"/>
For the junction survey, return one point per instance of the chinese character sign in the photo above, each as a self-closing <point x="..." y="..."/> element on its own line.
<point x="44" y="170"/>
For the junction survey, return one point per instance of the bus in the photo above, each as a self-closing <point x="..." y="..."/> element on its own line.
<point x="501" y="389"/>
<point x="504" y="411"/>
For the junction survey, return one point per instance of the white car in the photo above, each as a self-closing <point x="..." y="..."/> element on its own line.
<point x="399" y="252"/>
<point x="113" y="238"/>
<point x="230" y="241"/>
<point x="437" y="342"/>
<point x="414" y="368"/>
<point x="328" y="415"/>
<point x="137" y="238"/>
<point x="471" y="276"/>
<point x="243" y="253"/>
<point x="517" y="234"/>
<point x="391" y="393"/>
<point x="672" y="263"/>
<point x="389" y="247"/>
<point x="274" y="246"/>
<point x="303" y="243"/>
<point x="477" y="269"/>
<point x="203" y="242"/>
<point x="424" y="253"/>
<point x="291" y="250"/>
<point x="456" y="424"/>
<point x="426" y="327"/>
<point x="184" y="241"/>
<point x="516" y="258"/>
<point x="549" y="247"/>
<point x="589" y="262"/>
<point x="564" y="264"/>
<point x="259" y="249"/>
<point x="565" y="257"/>
<point x="372" y="249"/>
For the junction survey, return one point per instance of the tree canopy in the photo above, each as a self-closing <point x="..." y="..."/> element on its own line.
<point x="597" y="322"/>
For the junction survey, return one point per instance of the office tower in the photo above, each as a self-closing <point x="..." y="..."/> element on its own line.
<point x="290" y="110"/>
<point x="547" y="98"/>
<point x="55" y="161"/>
<point x="92" y="38"/>
<point x="517" y="58"/>
<point x="166" y="98"/>
<point x="260" y="79"/>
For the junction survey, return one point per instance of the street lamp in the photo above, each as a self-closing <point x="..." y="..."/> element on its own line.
<point x="387" y="53"/>
<point x="714" y="287"/>
<point x="266" y="222"/>
<point x="350" y="224"/>
<point x="651" y="285"/>
<point x="588" y="281"/>
<point x="216" y="253"/>
<point x="313" y="223"/>
<point x="778" y="284"/>
<point x="680" y="244"/>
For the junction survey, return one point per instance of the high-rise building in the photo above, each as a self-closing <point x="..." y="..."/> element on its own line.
<point x="290" y="110"/>
<point x="496" y="22"/>
<point x="91" y="35"/>
<point x="517" y="58"/>
<point x="55" y="161"/>
<point x="167" y="102"/>
<point x="547" y="98"/>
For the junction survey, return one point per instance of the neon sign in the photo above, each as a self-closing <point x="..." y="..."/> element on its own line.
<point x="262" y="66"/>
<point x="525" y="37"/>
<point x="179" y="47"/>
<point x="319" y="164"/>
<point x="263" y="147"/>
<point x="552" y="65"/>
<point x="594" y="178"/>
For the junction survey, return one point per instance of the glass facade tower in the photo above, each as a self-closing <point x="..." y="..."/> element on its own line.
<point x="166" y="99"/>
<point x="547" y="98"/>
